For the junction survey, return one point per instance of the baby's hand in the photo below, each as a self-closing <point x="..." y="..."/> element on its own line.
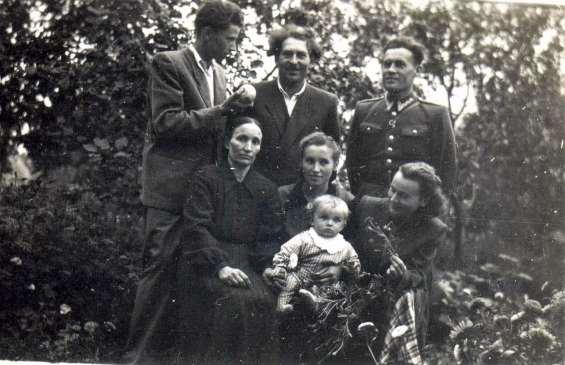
<point x="293" y="261"/>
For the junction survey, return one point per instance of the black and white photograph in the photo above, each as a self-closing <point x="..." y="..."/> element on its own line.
<point x="289" y="182"/>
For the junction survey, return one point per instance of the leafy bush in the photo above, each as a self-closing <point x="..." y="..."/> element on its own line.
<point x="493" y="317"/>
<point x="69" y="274"/>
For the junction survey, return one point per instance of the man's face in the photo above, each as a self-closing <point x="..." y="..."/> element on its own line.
<point x="221" y="42"/>
<point x="399" y="70"/>
<point x="293" y="61"/>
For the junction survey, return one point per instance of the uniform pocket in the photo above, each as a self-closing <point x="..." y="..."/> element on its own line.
<point x="415" y="141"/>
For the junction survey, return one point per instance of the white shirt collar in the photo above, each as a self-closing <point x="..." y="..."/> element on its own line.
<point x="331" y="245"/>
<point x="208" y="72"/>
<point x="290" y="100"/>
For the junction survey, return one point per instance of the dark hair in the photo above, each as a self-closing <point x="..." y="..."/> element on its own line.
<point x="218" y="14"/>
<point x="233" y="122"/>
<point x="430" y="186"/>
<point x="279" y="35"/>
<point x="320" y="139"/>
<point x="416" y="48"/>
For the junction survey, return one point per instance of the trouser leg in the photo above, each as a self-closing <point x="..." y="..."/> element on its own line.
<point x="153" y="319"/>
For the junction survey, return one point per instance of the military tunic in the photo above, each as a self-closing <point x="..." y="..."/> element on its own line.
<point x="382" y="138"/>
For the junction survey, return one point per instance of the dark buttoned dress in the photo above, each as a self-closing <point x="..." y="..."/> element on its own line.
<point x="381" y="139"/>
<point x="236" y="224"/>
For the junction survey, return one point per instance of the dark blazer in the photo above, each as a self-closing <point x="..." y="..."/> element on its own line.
<point x="375" y="149"/>
<point x="183" y="130"/>
<point x="315" y="110"/>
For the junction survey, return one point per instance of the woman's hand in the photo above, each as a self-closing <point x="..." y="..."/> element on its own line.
<point x="397" y="267"/>
<point x="277" y="281"/>
<point x="328" y="275"/>
<point x="234" y="277"/>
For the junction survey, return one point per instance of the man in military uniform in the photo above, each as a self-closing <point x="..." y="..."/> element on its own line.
<point x="398" y="128"/>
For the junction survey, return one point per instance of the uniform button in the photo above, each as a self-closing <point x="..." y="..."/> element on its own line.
<point x="388" y="161"/>
<point x="368" y="128"/>
<point x="415" y="131"/>
<point x="389" y="149"/>
<point x="391" y="137"/>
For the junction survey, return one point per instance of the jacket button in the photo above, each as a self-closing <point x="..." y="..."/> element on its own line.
<point x="391" y="137"/>
<point x="388" y="161"/>
<point x="389" y="149"/>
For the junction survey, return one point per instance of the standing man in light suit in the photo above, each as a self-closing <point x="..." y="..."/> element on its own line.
<point x="288" y="107"/>
<point x="398" y="128"/>
<point x="187" y="97"/>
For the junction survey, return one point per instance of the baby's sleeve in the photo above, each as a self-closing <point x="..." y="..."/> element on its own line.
<point x="287" y="257"/>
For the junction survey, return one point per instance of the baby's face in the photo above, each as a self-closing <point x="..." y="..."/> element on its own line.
<point x="329" y="221"/>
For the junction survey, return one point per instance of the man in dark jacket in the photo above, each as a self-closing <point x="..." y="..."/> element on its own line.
<point x="398" y="128"/>
<point x="288" y="107"/>
<point x="187" y="97"/>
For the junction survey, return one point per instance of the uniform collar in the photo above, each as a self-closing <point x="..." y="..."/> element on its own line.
<point x="403" y="103"/>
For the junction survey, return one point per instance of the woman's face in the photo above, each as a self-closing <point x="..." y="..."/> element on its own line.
<point x="404" y="196"/>
<point x="317" y="165"/>
<point x="244" y="145"/>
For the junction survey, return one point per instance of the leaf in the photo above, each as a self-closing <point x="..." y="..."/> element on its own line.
<point x="90" y="147"/>
<point x="102" y="143"/>
<point x="65" y="309"/>
<point x="121" y="143"/>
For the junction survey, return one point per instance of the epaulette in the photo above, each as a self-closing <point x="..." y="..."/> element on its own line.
<point x="424" y="101"/>
<point x="370" y="100"/>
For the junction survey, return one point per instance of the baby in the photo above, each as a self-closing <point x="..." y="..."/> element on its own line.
<point x="321" y="246"/>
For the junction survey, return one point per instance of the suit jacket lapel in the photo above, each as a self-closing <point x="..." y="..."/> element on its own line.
<point x="300" y="119"/>
<point x="200" y="78"/>
<point x="219" y="86"/>
<point x="277" y="108"/>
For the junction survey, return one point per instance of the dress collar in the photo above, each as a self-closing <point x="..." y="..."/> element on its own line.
<point x="331" y="245"/>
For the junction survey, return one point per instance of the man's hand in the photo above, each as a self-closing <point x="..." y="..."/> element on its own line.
<point x="240" y="101"/>
<point x="328" y="275"/>
<point x="234" y="277"/>
<point x="277" y="281"/>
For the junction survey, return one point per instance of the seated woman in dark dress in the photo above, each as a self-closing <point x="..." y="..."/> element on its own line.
<point x="233" y="223"/>
<point x="398" y="237"/>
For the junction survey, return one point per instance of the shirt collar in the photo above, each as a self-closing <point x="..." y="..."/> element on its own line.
<point x="286" y="94"/>
<point x="200" y="60"/>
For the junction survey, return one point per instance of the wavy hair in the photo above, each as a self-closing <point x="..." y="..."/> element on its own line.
<point x="304" y="33"/>
<point x="430" y="186"/>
